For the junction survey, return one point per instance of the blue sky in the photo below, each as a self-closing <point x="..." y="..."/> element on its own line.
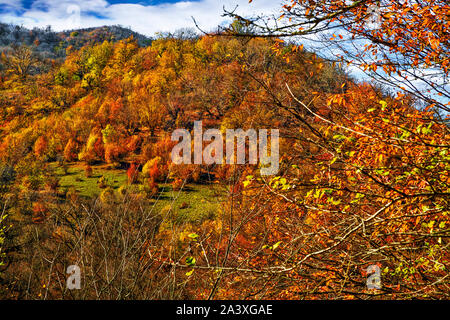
<point x="27" y="3"/>
<point x="144" y="16"/>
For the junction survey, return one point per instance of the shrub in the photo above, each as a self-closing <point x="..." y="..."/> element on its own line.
<point x="184" y="205"/>
<point x="133" y="173"/>
<point x="177" y="184"/>
<point x="133" y="143"/>
<point x="107" y="196"/>
<point x="88" y="171"/>
<point x="72" y="194"/>
<point x="148" y="166"/>
<point x="123" y="190"/>
<point x="155" y="169"/>
<point x="150" y="187"/>
<point x="52" y="184"/>
<point x="32" y="182"/>
<point x="40" y="146"/>
<point x="70" y="151"/>
<point x="188" y="172"/>
<point x="102" y="183"/>
<point x="40" y="212"/>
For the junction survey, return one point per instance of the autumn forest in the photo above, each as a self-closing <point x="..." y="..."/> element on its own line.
<point x="359" y="208"/>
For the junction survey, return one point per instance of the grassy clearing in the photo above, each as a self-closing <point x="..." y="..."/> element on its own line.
<point x="195" y="203"/>
<point x="87" y="187"/>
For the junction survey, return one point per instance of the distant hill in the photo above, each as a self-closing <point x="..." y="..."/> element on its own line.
<point x="52" y="44"/>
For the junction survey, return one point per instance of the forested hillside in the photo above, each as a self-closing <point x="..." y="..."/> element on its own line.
<point x="86" y="175"/>
<point x="49" y="44"/>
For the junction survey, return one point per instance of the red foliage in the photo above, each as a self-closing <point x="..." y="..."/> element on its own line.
<point x="133" y="143"/>
<point x="151" y="187"/>
<point x="88" y="171"/>
<point x="113" y="152"/>
<point x="40" y="146"/>
<point x="133" y="173"/>
<point x="324" y="156"/>
<point x="154" y="172"/>
<point x="99" y="149"/>
<point x="177" y="184"/>
<point x="70" y="151"/>
<point x="40" y="212"/>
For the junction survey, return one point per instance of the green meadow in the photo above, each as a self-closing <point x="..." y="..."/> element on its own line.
<point x="194" y="203"/>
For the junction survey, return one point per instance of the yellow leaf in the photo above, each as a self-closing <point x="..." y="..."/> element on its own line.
<point x="189" y="273"/>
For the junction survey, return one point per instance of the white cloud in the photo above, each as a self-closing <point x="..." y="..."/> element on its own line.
<point x="11" y="4"/>
<point x="146" y="19"/>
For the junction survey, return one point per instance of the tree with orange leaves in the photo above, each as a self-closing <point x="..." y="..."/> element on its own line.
<point x="365" y="185"/>
<point x="403" y="44"/>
